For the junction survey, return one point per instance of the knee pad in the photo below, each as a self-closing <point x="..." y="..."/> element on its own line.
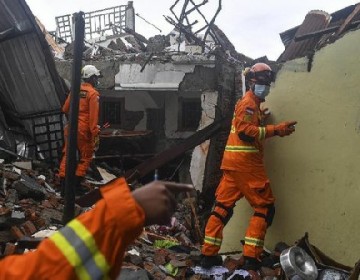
<point x="270" y="213"/>
<point x="229" y="211"/>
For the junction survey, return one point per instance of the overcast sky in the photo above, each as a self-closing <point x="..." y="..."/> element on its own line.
<point x="252" y="26"/>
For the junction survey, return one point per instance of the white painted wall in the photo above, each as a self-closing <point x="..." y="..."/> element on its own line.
<point x="155" y="76"/>
<point x="315" y="172"/>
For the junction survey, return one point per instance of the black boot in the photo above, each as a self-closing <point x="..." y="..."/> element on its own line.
<point x="210" y="261"/>
<point x="251" y="264"/>
<point x="79" y="190"/>
<point x="62" y="187"/>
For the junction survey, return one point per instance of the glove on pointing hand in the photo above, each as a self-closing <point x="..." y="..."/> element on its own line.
<point x="285" y="128"/>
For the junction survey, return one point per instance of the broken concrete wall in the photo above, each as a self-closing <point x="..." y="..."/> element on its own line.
<point x="154" y="86"/>
<point x="108" y="69"/>
<point x="153" y="93"/>
<point x="315" y="172"/>
<point x="161" y="86"/>
<point x="199" y="154"/>
<point x="227" y="96"/>
<point x="194" y="85"/>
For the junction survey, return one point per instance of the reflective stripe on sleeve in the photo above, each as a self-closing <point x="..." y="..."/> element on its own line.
<point x="213" y="241"/>
<point x="262" y="133"/>
<point x="254" y="241"/>
<point x="79" y="247"/>
<point x="241" y="149"/>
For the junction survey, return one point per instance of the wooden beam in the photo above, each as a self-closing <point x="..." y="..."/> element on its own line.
<point x="323" y="31"/>
<point x="348" y="20"/>
<point x="315" y="34"/>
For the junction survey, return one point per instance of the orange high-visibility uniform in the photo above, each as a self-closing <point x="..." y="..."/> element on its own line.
<point x="91" y="246"/>
<point x="243" y="176"/>
<point x="88" y="128"/>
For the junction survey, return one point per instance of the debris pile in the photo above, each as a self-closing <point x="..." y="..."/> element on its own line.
<point x="32" y="209"/>
<point x="158" y="256"/>
<point x="30" y="202"/>
<point x="126" y="44"/>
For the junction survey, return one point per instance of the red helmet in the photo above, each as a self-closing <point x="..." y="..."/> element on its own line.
<point x="261" y="73"/>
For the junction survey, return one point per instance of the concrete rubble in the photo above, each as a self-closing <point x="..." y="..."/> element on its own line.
<point x="31" y="209"/>
<point x="29" y="203"/>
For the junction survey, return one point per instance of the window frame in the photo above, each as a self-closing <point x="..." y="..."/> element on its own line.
<point x="183" y="101"/>
<point x="106" y="99"/>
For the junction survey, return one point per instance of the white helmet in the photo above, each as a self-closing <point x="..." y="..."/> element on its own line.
<point x="90" y="70"/>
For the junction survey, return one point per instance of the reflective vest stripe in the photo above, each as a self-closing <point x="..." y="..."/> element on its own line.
<point x="254" y="241"/>
<point x="262" y="133"/>
<point x="87" y="255"/>
<point x="70" y="254"/>
<point x="241" y="149"/>
<point x="213" y="241"/>
<point x="79" y="248"/>
<point x="89" y="241"/>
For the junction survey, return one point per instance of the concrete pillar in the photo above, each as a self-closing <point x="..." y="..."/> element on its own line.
<point x="130" y="16"/>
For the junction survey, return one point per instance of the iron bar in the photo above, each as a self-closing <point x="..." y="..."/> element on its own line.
<point x="71" y="162"/>
<point x="171" y="9"/>
<point x="213" y="19"/>
<point x="148" y="22"/>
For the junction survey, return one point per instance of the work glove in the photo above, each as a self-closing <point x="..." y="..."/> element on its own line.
<point x="96" y="142"/>
<point x="284" y="128"/>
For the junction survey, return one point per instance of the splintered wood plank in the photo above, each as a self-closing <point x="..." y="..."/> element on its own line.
<point x="348" y="20"/>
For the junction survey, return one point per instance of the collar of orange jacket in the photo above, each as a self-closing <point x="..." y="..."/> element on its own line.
<point x="257" y="100"/>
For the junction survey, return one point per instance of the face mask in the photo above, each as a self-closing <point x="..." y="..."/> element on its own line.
<point x="261" y="91"/>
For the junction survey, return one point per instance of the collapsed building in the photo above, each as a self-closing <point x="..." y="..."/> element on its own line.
<point x="159" y="91"/>
<point x="158" y="94"/>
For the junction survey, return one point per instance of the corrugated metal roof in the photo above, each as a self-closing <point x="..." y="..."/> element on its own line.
<point x="337" y="19"/>
<point x="311" y="24"/>
<point x="29" y="83"/>
<point x="289" y="34"/>
<point x="314" y="21"/>
<point x="342" y="14"/>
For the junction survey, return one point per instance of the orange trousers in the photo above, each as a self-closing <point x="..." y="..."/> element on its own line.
<point x="85" y="146"/>
<point x="233" y="186"/>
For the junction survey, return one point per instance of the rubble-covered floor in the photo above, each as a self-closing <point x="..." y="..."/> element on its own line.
<point x="31" y="209"/>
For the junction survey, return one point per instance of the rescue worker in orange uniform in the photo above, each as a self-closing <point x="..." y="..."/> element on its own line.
<point x="92" y="246"/>
<point x="88" y="128"/>
<point x="244" y="172"/>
